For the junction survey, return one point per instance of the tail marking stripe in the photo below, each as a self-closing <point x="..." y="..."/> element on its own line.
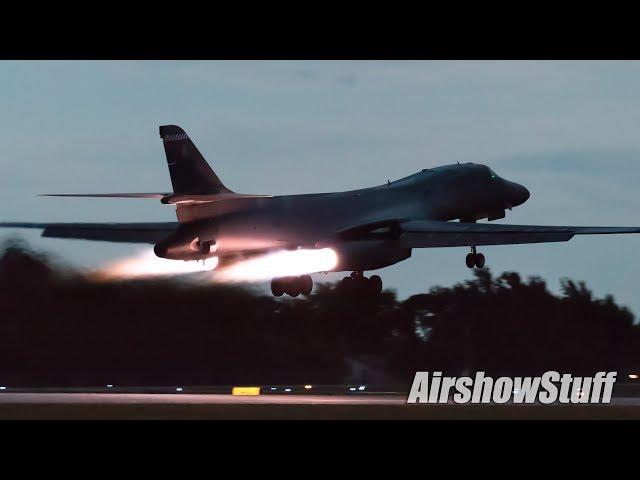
<point x="174" y="137"/>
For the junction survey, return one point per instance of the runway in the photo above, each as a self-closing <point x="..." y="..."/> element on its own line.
<point x="145" y="406"/>
<point x="196" y="399"/>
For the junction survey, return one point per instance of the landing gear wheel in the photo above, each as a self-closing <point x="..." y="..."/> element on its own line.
<point x="375" y="283"/>
<point x="293" y="289"/>
<point x="277" y="289"/>
<point x="362" y="286"/>
<point x="471" y="260"/>
<point x="479" y="260"/>
<point x="346" y="284"/>
<point x="306" y="284"/>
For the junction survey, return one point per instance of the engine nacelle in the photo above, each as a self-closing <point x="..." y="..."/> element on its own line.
<point x="203" y="247"/>
<point x="368" y="255"/>
<point x="178" y="249"/>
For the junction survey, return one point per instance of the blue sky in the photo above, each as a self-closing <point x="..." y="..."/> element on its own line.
<point x="569" y="131"/>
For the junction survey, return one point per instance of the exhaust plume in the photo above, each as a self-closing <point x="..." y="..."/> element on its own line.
<point x="284" y="263"/>
<point x="146" y="265"/>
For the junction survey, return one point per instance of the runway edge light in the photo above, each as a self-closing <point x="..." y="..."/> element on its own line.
<point x="245" y="391"/>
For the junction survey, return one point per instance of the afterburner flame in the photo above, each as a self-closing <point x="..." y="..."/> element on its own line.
<point x="284" y="263"/>
<point x="146" y="264"/>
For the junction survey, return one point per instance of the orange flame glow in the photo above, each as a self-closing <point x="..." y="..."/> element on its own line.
<point x="146" y="264"/>
<point x="280" y="264"/>
<point x="272" y="265"/>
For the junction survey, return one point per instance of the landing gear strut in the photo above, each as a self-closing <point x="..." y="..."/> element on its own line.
<point x="474" y="259"/>
<point x="292" y="286"/>
<point x="358" y="283"/>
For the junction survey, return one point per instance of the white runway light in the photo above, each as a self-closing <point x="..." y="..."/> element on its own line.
<point x="285" y="263"/>
<point x="146" y="264"/>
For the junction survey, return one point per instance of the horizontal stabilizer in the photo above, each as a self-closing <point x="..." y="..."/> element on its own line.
<point x="107" y="195"/>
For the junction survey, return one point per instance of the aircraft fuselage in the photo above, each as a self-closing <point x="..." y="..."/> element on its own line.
<point x="463" y="191"/>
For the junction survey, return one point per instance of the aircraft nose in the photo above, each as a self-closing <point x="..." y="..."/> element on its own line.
<point x="524" y="193"/>
<point x="517" y="194"/>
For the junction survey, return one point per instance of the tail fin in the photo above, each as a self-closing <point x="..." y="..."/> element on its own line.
<point x="190" y="172"/>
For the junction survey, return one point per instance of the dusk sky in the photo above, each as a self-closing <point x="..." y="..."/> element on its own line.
<point x="568" y="131"/>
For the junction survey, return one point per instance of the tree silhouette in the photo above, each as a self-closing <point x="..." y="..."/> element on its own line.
<point x="58" y="328"/>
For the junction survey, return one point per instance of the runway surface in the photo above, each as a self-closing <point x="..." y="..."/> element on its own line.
<point x="198" y="399"/>
<point x="178" y="406"/>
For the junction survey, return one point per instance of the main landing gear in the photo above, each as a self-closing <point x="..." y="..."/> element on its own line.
<point x="358" y="283"/>
<point x="475" y="259"/>
<point x="292" y="286"/>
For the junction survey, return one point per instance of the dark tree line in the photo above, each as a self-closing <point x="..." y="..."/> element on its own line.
<point x="57" y="328"/>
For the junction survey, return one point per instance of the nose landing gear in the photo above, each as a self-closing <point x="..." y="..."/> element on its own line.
<point x="292" y="286"/>
<point x="475" y="259"/>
